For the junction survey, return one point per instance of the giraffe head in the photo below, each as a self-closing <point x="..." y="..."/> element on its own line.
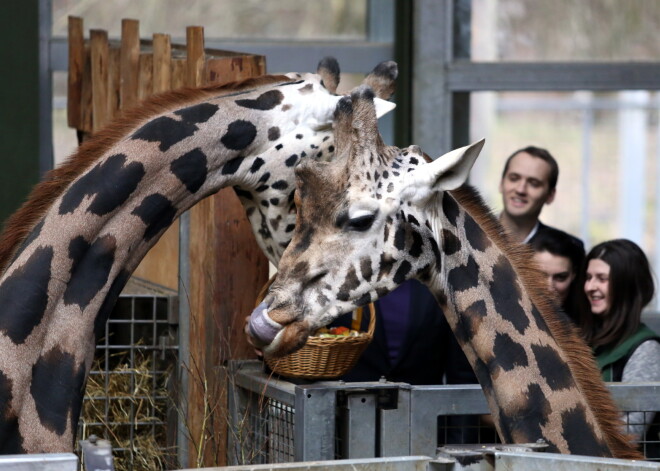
<point x="361" y="227"/>
<point x="267" y="194"/>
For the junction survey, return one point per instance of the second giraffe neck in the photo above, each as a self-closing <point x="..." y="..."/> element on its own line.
<point x="515" y="340"/>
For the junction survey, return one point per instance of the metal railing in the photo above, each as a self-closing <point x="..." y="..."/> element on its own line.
<point x="274" y="420"/>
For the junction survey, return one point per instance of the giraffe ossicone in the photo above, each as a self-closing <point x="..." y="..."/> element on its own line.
<point x="376" y="216"/>
<point x="69" y="250"/>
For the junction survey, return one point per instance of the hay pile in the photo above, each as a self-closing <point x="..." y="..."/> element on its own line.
<point x="129" y="407"/>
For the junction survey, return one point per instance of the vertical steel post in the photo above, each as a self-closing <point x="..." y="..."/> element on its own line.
<point x="359" y="437"/>
<point x="314" y="428"/>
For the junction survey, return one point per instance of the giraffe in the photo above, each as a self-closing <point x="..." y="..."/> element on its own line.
<point x="69" y="250"/>
<point x="378" y="215"/>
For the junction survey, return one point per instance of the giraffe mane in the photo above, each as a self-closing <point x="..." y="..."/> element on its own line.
<point x="55" y="181"/>
<point x="580" y="358"/>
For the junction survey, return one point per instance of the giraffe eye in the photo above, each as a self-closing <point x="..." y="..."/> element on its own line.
<point x="361" y="223"/>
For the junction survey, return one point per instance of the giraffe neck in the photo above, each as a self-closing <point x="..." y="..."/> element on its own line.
<point x="85" y="240"/>
<point x="523" y="353"/>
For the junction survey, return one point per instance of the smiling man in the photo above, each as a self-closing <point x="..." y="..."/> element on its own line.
<point x="529" y="182"/>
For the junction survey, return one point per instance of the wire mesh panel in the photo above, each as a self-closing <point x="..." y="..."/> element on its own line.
<point x="262" y="431"/>
<point x="128" y="399"/>
<point x="465" y="429"/>
<point x="644" y="426"/>
<point x="280" y="431"/>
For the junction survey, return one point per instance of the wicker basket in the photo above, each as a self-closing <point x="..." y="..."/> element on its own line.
<point x="323" y="357"/>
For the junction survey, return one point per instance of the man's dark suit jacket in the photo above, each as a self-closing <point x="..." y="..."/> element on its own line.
<point x="429" y="350"/>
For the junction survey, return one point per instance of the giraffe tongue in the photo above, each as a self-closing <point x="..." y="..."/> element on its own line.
<point x="262" y="327"/>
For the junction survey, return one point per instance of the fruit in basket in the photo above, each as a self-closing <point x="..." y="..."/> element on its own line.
<point x="335" y="332"/>
<point x="341" y="330"/>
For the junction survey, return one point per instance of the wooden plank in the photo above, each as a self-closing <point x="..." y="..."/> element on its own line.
<point x="162" y="62"/>
<point x="76" y="69"/>
<point x="130" y="55"/>
<point x="227" y="269"/>
<point x="161" y="264"/>
<point x="114" y="80"/>
<point x="203" y="335"/>
<point x="86" y="96"/>
<point x="257" y="65"/>
<point x="195" y="50"/>
<point x="254" y="65"/>
<point x="178" y="78"/>
<point x="219" y="69"/>
<point x="145" y="75"/>
<point x="99" y="57"/>
<point x="241" y="269"/>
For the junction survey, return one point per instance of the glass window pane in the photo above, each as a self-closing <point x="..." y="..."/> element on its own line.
<point x="250" y="19"/>
<point x="565" y="30"/>
<point x="608" y="149"/>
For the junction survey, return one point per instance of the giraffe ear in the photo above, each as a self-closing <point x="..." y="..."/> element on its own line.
<point x="328" y="69"/>
<point x="382" y="79"/>
<point x="447" y="172"/>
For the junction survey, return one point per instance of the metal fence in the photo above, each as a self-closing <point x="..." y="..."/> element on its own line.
<point x="276" y="421"/>
<point x="129" y="397"/>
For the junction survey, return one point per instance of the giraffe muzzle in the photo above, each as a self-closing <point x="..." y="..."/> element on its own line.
<point x="261" y="327"/>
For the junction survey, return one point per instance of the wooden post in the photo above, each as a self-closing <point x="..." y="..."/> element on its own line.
<point x="227" y="269"/>
<point x="130" y="55"/>
<point x="145" y="76"/>
<point x="162" y="62"/>
<point x="99" y="54"/>
<point x="76" y="69"/>
<point x="207" y="406"/>
<point x="114" y="82"/>
<point x="195" y="56"/>
<point x="86" y="98"/>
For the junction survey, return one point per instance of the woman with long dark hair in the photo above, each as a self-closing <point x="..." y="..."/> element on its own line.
<point x="618" y="285"/>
